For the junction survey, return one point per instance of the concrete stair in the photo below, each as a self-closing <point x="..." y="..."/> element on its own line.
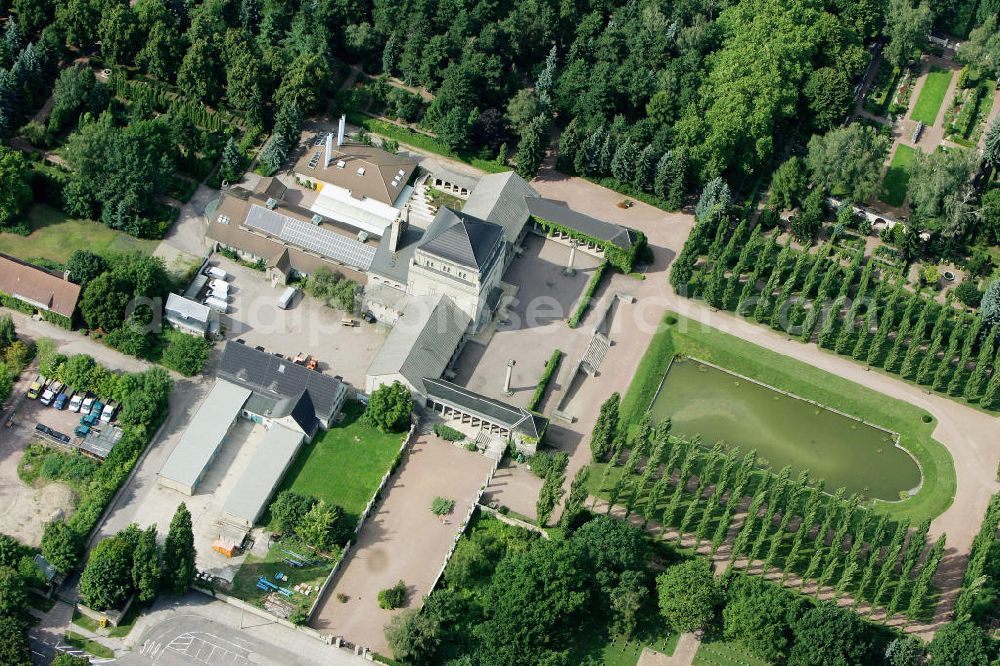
<point x="596" y="350"/>
<point x="492" y="446"/>
<point x="421" y="211"/>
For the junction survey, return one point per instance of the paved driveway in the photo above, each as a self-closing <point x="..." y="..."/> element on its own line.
<point x="403" y="540"/>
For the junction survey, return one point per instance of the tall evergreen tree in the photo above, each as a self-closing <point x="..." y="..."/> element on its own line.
<point x="178" y="553"/>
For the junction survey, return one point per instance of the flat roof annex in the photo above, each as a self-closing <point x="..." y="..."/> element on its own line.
<point x="263" y="474"/>
<point x="204" y="434"/>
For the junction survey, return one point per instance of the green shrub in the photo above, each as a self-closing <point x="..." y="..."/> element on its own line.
<point x="550" y="370"/>
<point x="588" y="294"/>
<point x="448" y="433"/>
<point x="442" y="506"/>
<point x="392" y="597"/>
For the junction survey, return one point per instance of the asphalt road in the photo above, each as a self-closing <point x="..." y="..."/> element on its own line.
<point x="194" y="639"/>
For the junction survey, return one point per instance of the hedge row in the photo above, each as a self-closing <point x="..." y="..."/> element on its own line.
<point x="588" y="295"/>
<point x="543" y="382"/>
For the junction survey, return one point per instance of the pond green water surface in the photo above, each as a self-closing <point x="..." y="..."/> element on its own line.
<point x="785" y="430"/>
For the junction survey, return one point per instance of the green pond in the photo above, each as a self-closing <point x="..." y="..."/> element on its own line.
<point x="785" y="430"/>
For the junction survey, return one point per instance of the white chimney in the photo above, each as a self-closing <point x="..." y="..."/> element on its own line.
<point x="340" y="130"/>
<point x="329" y="150"/>
<point x="395" y="231"/>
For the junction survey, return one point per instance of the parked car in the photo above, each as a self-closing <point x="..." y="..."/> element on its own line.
<point x="90" y="419"/>
<point x="368" y="316"/>
<point x="88" y="403"/>
<point x="219" y="285"/>
<point x="76" y="404"/>
<point x="51" y="392"/>
<point x="287" y="298"/>
<point x="217" y="273"/>
<point x="109" y="411"/>
<point x="37" y="387"/>
<point x="63" y="398"/>
<point x="82" y="430"/>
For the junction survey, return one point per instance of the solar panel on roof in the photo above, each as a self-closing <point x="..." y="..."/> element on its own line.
<point x="313" y="238"/>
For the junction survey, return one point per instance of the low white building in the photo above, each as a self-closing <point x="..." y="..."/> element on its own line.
<point x="188" y="316"/>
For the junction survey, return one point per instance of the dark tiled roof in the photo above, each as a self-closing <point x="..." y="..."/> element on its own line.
<point x="516" y="419"/>
<point x="462" y="239"/>
<point x="422" y="341"/>
<point x="288" y="384"/>
<point x="560" y="213"/>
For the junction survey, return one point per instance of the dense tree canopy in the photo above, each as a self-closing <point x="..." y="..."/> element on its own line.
<point x="15" y="192"/>
<point x="688" y="595"/>
<point x="828" y="636"/>
<point x="847" y="161"/>
<point x="389" y="407"/>
<point x="119" y="171"/>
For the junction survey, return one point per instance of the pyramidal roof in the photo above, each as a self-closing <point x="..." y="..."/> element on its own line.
<point x="461" y="238"/>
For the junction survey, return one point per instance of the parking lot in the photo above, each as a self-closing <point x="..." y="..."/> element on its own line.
<point x="25" y="510"/>
<point x="307" y="327"/>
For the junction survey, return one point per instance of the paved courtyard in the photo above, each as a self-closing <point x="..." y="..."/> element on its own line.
<point x="308" y="327"/>
<point x="403" y="540"/>
<point x="533" y="325"/>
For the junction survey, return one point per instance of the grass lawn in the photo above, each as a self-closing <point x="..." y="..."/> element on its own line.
<point x="245" y="582"/>
<point x="897" y="178"/>
<point x="344" y="464"/>
<point x="55" y="236"/>
<point x="439" y="198"/>
<point x="694" y="339"/>
<point x="928" y="105"/>
<point x="91" y="647"/>
<point x="714" y="652"/>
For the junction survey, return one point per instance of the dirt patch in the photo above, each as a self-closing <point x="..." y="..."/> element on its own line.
<point x="24" y="510"/>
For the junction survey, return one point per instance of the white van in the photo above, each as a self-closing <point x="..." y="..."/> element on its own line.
<point x="219" y="294"/>
<point x="217" y="304"/>
<point x="288" y="298"/>
<point x="217" y="273"/>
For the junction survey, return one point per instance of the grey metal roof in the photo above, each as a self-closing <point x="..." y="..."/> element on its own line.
<point x="311" y="237"/>
<point x="281" y="380"/>
<point x="187" y="312"/>
<point x="422" y="341"/>
<point x="204" y="433"/>
<point x="100" y="442"/>
<point x="516" y="419"/>
<point x="560" y="213"/>
<point x="463" y="239"/>
<point x="500" y="198"/>
<point x="255" y="486"/>
<point x="396" y="265"/>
